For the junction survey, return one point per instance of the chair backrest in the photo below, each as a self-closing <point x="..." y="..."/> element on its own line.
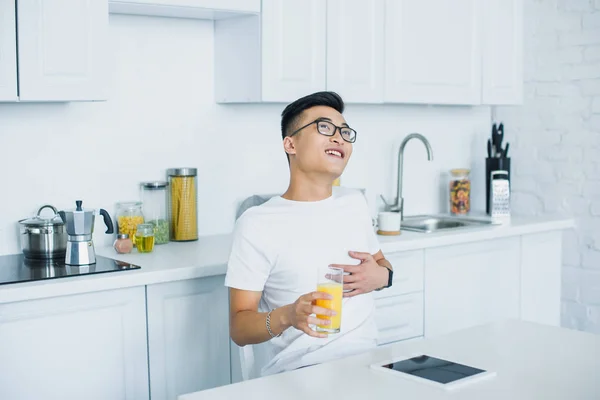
<point x="252" y="359"/>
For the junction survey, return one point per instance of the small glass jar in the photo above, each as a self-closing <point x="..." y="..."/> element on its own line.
<point x="129" y="216"/>
<point x="460" y="191"/>
<point x="144" y="238"/>
<point x="154" y="207"/>
<point x="183" y="203"/>
<point x="123" y="244"/>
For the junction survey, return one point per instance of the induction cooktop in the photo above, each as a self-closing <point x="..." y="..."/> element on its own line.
<point x="16" y="268"/>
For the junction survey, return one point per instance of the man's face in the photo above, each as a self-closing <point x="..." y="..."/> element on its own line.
<point x="313" y="152"/>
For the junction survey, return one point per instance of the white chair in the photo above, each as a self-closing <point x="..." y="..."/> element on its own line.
<point x="252" y="359"/>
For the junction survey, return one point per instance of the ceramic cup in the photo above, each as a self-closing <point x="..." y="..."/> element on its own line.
<point x="388" y="223"/>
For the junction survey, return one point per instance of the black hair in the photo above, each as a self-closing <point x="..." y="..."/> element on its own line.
<point x="291" y="114"/>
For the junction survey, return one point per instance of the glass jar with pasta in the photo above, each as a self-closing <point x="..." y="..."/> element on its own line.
<point x="460" y="191"/>
<point x="183" y="204"/>
<point x="129" y="216"/>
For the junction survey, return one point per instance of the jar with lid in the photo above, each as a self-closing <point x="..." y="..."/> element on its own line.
<point x="144" y="238"/>
<point x="129" y="216"/>
<point x="154" y="207"/>
<point x="183" y="203"/>
<point x="460" y="191"/>
<point x="123" y="244"/>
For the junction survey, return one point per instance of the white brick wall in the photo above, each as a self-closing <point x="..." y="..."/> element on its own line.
<point x="555" y="140"/>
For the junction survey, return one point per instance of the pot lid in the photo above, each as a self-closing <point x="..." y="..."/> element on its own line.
<point x="39" y="221"/>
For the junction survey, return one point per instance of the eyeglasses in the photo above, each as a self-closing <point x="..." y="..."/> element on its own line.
<point x="327" y="128"/>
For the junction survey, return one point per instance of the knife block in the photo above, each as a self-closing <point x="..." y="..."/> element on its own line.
<point x="494" y="164"/>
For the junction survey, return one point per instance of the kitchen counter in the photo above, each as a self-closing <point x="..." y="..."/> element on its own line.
<point x="518" y="226"/>
<point x="208" y="257"/>
<point x="531" y="361"/>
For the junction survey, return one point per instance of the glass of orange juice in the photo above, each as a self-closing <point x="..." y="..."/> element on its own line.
<point x="331" y="281"/>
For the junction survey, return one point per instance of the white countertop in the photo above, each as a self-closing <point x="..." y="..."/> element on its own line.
<point x="208" y="257"/>
<point x="518" y="226"/>
<point x="531" y="361"/>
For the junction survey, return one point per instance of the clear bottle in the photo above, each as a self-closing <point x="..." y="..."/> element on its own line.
<point x="129" y="216"/>
<point x="183" y="203"/>
<point x="144" y="238"/>
<point x="460" y="191"/>
<point x="154" y="207"/>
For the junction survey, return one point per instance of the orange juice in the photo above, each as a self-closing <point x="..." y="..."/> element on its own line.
<point x="335" y="290"/>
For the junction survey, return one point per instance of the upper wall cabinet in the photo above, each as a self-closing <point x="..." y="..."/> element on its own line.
<point x="432" y="51"/>
<point x="195" y="9"/>
<point x="463" y="52"/>
<point x="8" y="51"/>
<point x="296" y="47"/>
<point x="503" y="52"/>
<point x="355" y="49"/>
<point x="293" y="49"/>
<point x="273" y="57"/>
<point x="62" y="50"/>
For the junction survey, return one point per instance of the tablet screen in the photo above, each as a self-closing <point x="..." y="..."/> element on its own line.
<point x="434" y="369"/>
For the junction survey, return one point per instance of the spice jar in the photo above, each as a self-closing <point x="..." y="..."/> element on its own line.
<point x="123" y="244"/>
<point x="460" y="191"/>
<point x="154" y="207"/>
<point x="144" y="238"/>
<point x="183" y="205"/>
<point x="129" y="216"/>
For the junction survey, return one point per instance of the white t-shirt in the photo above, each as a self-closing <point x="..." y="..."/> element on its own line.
<point x="277" y="249"/>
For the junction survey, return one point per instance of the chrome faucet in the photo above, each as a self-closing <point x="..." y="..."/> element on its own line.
<point x="399" y="202"/>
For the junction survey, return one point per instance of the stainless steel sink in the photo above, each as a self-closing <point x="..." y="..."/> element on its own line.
<point x="435" y="223"/>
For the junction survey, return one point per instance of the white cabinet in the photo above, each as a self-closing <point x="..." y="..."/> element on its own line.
<point x="8" y="51"/>
<point x="89" y="346"/>
<point x="276" y="57"/>
<point x="471" y="284"/>
<point x="502" y="23"/>
<point x="355" y="41"/>
<point x="541" y="265"/>
<point x="62" y="49"/>
<point x="293" y="51"/>
<point x="408" y="273"/>
<point x="432" y="52"/>
<point x="188" y="336"/>
<point x="399" y="309"/>
<point x="399" y="317"/>
<point x="462" y="52"/>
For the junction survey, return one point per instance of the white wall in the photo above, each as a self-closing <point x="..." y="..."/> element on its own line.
<point x="555" y="139"/>
<point x="161" y="114"/>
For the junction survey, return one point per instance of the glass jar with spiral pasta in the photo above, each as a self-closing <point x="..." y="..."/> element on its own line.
<point x="460" y="192"/>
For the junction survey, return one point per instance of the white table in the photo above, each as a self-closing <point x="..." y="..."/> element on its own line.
<point x="531" y="361"/>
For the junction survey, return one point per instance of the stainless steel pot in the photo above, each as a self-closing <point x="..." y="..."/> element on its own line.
<point x="43" y="238"/>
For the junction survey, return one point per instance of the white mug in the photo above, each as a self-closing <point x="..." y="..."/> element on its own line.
<point x="388" y="223"/>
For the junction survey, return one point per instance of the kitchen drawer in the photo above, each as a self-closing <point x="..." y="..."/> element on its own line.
<point x="408" y="273"/>
<point x="399" y="317"/>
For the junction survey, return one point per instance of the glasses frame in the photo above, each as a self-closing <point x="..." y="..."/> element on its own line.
<point x="324" y="134"/>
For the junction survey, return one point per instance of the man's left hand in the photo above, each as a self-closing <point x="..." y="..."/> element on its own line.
<point x="365" y="277"/>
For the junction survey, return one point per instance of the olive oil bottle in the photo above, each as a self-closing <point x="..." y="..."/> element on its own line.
<point x="144" y="238"/>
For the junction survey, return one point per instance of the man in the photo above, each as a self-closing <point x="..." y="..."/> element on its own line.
<point x="279" y="246"/>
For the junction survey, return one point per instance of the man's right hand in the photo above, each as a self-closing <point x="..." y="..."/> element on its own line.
<point x="300" y="313"/>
